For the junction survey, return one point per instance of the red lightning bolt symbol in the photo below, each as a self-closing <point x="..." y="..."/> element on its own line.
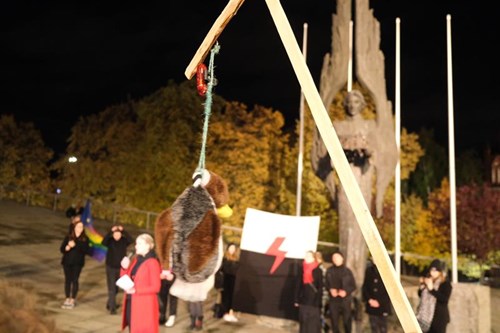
<point x="275" y="251"/>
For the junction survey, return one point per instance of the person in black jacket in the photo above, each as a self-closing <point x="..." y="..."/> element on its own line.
<point x="340" y="283"/>
<point x="117" y="241"/>
<point x="308" y="294"/>
<point x="377" y="301"/>
<point x="74" y="247"/>
<point x="435" y="290"/>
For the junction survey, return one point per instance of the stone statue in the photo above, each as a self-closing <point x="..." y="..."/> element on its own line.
<point x="369" y="145"/>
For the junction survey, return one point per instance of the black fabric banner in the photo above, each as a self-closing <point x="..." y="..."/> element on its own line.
<point x="258" y="291"/>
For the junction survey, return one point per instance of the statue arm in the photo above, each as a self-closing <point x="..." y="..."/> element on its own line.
<point x="370" y="71"/>
<point x="333" y="78"/>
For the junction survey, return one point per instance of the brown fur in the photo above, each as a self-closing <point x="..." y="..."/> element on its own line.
<point x="164" y="235"/>
<point x="204" y="242"/>
<point x="190" y="230"/>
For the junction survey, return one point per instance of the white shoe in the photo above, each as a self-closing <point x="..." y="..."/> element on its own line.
<point x="230" y="318"/>
<point x="66" y="304"/>
<point x="171" y="321"/>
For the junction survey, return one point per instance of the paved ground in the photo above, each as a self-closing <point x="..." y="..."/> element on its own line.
<point x="29" y="243"/>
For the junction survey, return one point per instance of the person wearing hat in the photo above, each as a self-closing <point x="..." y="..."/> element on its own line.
<point x="435" y="290"/>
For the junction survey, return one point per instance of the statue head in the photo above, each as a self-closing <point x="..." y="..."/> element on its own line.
<point x="354" y="103"/>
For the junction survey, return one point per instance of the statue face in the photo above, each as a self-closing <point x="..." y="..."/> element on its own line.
<point x="354" y="105"/>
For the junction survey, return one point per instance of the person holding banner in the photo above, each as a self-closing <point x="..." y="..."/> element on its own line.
<point x="340" y="283"/>
<point x="308" y="294"/>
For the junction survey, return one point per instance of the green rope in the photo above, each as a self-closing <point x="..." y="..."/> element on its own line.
<point x="208" y="108"/>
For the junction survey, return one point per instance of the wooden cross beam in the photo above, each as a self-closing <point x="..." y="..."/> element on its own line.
<point x="364" y="218"/>
<point x="214" y="33"/>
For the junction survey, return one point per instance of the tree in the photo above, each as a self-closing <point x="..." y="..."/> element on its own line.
<point x="432" y="167"/>
<point x="249" y="150"/>
<point x="478" y="216"/>
<point x="469" y="168"/>
<point x="411" y="152"/>
<point x="24" y="158"/>
<point x="99" y="142"/>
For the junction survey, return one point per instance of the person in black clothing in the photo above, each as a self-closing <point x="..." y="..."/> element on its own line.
<point x="218" y="286"/>
<point x="340" y="283"/>
<point x="377" y="301"/>
<point x="435" y="290"/>
<point x="74" y="210"/>
<point x="117" y="241"/>
<point x="74" y="247"/>
<point x="308" y="294"/>
<point x="166" y="299"/>
<point x="230" y="264"/>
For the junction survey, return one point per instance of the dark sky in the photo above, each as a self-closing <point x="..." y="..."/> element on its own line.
<point x="63" y="59"/>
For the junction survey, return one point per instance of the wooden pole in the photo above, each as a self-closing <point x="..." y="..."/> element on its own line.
<point x="451" y="149"/>
<point x="300" y="163"/>
<point x="217" y="28"/>
<point x="397" y="190"/>
<point x="365" y="220"/>
<point x="349" y="64"/>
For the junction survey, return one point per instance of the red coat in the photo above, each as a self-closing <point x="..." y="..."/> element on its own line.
<point x="144" y="317"/>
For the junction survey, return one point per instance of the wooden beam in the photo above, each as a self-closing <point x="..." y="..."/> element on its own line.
<point x="370" y="232"/>
<point x="214" y="33"/>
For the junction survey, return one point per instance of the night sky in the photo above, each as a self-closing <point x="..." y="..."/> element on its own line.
<point x="64" y="59"/>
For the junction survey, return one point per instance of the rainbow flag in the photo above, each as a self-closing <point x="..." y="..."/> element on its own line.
<point x="98" y="250"/>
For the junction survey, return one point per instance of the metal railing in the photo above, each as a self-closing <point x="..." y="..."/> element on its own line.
<point x="100" y="210"/>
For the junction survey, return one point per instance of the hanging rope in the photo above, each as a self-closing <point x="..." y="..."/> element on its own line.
<point x="208" y="108"/>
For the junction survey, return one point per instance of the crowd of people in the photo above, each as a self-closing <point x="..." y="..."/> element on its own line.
<point x="323" y="295"/>
<point x="339" y="284"/>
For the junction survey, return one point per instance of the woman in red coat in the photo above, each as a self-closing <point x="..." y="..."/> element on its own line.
<point x="140" y="312"/>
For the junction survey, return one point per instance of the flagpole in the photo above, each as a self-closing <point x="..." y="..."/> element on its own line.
<point x="397" y="194"/>
<point x="300" y="164"/>
<point x="349" y="64"/>
<point x="451" y="149"/>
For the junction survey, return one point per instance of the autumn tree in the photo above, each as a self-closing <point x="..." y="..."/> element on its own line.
<point x="24" y="158"/>
<point x="172" y="123"/>
<point x="478" y="216"/>
<point x="248" y="149"/>
<point x="432" y="167"/>
<point x="137" y="154"/>
<point x="100" y="142"/>
<point x="315" y="198"/>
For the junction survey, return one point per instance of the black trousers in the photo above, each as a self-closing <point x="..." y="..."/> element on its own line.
<point x="341" y="307"/>
<point x="227" y="292"/>
<point x="378" y="324"/>
<point x="112" y="274"/>
<point x="438" y="326"/>
<point x="309" y="319"/>
<point x="71" y="276"/>
<point x="166" y="300"/>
